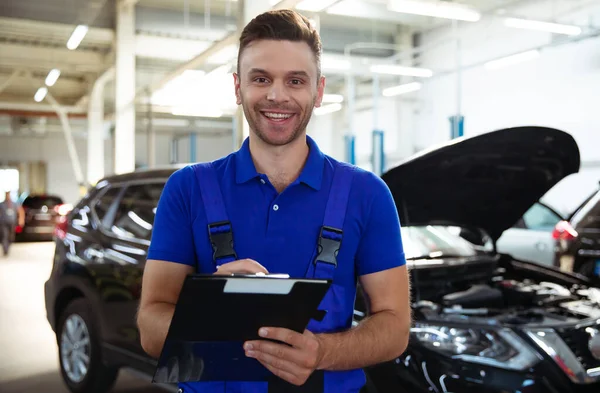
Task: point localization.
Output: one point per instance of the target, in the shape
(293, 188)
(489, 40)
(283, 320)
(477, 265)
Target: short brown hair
(284, 25)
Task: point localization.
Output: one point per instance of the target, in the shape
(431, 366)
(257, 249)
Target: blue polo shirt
(280, 230)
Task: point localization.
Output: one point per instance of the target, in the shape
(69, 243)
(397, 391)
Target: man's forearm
(153, 322)
(378, 338)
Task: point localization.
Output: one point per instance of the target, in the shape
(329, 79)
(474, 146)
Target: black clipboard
(215, 315)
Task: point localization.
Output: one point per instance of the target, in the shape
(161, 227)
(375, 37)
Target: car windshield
(434, 242)
(37, 202)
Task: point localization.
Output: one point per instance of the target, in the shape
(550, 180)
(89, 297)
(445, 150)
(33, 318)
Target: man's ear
(236, 84)
(320, 91)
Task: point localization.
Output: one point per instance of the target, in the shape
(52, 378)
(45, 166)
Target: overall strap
(330, 237)
(220, 232)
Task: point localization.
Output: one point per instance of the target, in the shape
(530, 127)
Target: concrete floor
(28, 350)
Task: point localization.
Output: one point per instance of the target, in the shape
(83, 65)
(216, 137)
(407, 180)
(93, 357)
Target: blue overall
(324, 263)
(249, 218)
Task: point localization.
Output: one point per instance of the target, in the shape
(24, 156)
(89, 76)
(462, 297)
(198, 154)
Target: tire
(76, 324)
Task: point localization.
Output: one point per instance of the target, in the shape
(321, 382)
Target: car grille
(578, 340)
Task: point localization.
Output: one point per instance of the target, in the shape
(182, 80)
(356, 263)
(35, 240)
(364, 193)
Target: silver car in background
(530, 239)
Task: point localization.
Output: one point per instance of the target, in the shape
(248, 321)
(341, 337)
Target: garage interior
(94, 88)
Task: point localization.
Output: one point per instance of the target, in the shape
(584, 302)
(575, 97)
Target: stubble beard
(253, 120)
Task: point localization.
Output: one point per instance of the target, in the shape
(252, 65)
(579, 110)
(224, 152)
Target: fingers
(242, 266)
(287, 336)
(291, 364)
(276, 351)
(272, 359)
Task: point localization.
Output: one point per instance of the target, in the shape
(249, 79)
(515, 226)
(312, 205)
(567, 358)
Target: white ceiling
(33, 36)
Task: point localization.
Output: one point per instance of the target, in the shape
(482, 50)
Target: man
(11, 214)
(275, 191)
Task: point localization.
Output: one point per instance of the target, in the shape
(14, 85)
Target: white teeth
(278, 115)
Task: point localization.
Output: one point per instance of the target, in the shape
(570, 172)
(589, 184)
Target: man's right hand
(242, 266)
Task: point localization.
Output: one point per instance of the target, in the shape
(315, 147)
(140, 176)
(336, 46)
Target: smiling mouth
(277, 116)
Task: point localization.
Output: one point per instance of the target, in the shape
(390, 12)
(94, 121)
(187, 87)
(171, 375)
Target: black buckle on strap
(222, 242)
(328, 248)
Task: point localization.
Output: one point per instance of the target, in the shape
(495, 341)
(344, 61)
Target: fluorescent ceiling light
(325, 109)
(400, 70)
(333, 98)
(401, 89)
(314, 5)
(40, 94)
(542, 26)
(436, 9)
(52, 77)
(513, 59)
(77, 36)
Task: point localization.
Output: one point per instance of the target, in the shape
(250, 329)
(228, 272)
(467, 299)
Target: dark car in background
(577, 239)
(42, 213)
(93, 292)
(483, 321)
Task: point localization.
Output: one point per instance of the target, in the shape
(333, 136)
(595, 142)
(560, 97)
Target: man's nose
(277, 92)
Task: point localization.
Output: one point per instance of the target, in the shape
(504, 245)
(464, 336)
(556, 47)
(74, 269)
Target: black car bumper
(422, 372)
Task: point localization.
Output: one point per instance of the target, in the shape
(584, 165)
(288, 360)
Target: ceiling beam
(20, 84)
(46, 58)
(10, 79)
(39, 113)
(34, 107)
(216, 47)
(40, 31)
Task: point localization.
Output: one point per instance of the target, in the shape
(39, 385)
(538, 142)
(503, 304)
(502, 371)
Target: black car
(577, 239)
(42, 213)
(93, 292)
(483, 321)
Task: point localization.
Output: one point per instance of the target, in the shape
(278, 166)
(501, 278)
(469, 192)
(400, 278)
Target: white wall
(394, 117)
(559, 89)
(208, 147)
(52, 149)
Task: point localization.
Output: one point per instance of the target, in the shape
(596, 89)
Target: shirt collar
(311, 175)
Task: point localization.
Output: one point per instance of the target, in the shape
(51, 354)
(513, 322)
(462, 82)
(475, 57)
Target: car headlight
(551, 343)
(493, 347)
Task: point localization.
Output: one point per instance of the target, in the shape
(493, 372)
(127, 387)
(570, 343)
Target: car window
(39, 201)
(135, 215)
(104, 203)
(540, 218)
(434, 242)
(588, 216)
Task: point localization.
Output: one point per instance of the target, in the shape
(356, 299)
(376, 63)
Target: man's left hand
(294, 363)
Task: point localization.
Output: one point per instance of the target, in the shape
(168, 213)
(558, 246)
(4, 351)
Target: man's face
(277, 87)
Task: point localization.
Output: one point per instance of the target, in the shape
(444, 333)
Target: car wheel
(79, 352)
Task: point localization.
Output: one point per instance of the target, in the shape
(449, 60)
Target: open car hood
(487, 181)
